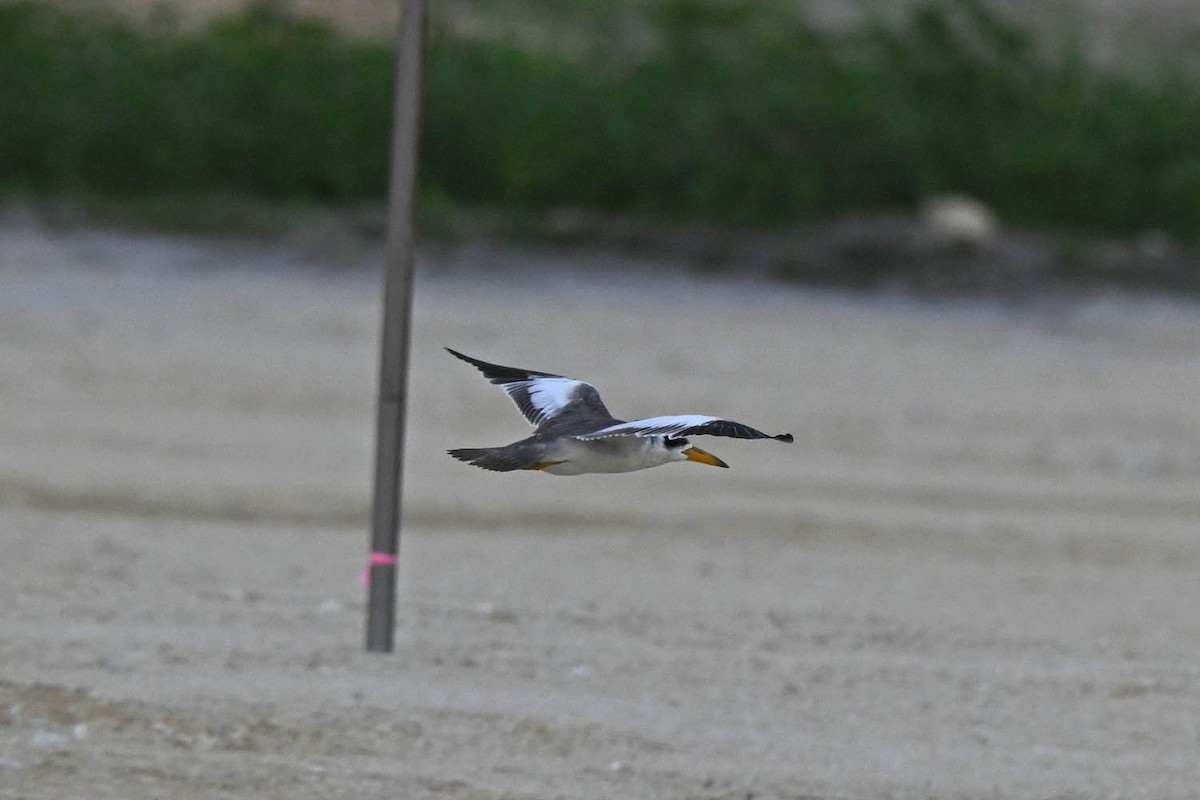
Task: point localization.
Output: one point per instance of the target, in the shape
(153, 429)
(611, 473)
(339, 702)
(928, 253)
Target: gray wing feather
(683, 425)
(551, 402)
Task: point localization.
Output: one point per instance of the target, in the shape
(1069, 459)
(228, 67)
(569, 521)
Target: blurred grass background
(709, 111)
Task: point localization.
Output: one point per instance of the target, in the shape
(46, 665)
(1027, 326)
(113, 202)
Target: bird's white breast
(618, 454)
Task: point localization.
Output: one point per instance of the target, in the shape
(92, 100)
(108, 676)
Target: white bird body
(619, 454)
(576, 435)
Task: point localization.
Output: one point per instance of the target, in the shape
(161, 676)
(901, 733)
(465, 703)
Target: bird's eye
(674, 443)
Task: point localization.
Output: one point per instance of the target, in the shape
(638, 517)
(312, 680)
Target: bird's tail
(497, 459)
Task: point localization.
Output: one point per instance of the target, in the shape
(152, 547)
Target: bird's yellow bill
(704, 457)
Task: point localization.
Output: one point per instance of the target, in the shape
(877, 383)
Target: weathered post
(397, 312)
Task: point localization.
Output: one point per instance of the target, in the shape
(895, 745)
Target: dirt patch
(1117, 31)
(973, 573)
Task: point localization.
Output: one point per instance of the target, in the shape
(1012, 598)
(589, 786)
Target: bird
(575, 435)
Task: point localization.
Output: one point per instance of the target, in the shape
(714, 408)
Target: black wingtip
(784, 437)
(482, 366)
(499, 374)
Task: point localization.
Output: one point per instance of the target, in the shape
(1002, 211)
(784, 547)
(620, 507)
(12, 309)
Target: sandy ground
(1120, 31)
(973, 575)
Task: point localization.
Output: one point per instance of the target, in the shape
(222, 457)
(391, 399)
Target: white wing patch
(547, 396)
(652, 426)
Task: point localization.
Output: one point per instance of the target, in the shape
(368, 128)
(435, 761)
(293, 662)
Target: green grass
(260, 105)
(737, 112)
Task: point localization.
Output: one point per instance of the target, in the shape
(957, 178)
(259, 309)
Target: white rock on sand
(973, 575)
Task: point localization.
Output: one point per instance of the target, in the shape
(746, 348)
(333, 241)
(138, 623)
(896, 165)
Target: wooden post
(397, 312)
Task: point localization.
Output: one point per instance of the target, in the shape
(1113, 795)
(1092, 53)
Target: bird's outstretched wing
(681, 425)
(544, 398)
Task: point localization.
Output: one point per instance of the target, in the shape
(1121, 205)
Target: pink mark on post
(376, 559)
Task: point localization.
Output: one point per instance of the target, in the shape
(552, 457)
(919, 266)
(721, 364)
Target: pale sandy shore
(1125, 32)
(973, 576)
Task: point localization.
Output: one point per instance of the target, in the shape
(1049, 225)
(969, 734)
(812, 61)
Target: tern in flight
(574, 433)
